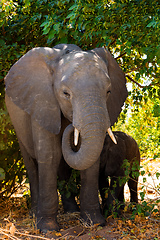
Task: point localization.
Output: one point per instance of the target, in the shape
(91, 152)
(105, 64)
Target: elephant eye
(108, 92)
(67, 95)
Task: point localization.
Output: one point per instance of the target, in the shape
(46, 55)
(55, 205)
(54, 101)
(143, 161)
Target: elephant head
(87, 87)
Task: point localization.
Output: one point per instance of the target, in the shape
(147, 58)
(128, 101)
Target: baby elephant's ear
(119, 91)
(30, 83)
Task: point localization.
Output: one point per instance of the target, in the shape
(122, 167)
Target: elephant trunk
(92, 126)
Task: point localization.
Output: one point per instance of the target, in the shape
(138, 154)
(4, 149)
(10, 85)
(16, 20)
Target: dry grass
(16, 224)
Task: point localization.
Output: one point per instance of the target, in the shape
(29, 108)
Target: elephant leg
(47, 198)
(115, 190)
(32, 170)
(89, 201)
(121, 195)
(64, 174)
(48, 154)
(132, 184)
(69, 203)
(121, 198)
(103, 186)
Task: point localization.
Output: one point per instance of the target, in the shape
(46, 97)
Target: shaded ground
(15, 222)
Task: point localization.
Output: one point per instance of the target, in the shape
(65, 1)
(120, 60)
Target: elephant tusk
(76, 135)
(111, 135)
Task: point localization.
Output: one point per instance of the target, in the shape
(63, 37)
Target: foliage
(130, 29)
(16, 224)
(131, 170)
(143, 124)
(10, 156)
(146, 207)
(72, 186)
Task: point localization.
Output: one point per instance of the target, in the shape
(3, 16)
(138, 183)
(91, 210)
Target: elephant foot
(69, 204)
(92, 217)
(45, 224)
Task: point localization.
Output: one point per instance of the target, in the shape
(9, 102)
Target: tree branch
(139, 85)
(3, 31)
(134, 69)
(121, 55)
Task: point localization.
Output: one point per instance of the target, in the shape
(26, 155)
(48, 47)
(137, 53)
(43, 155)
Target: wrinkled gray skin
(111, 161)
(48, 92)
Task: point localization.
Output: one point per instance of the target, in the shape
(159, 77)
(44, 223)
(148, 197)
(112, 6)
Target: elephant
(111, 165)
(51, 93)
(64, 177)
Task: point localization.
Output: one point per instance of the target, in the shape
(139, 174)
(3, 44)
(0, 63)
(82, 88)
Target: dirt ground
(16, 224)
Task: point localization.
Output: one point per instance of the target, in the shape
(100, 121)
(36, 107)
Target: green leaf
(156, 110)
(142, 172)
(46, 24)
(71, 15)
(75, 6)
(46, 30)
(151, 24)
(142, 195)
(56, 27)
(27, 3)
(144, 179)
(52, 34)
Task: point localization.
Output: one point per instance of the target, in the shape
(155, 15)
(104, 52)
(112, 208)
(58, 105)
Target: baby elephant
(113, 164)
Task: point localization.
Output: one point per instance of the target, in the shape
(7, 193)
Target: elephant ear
(119, 91)
(29, 84)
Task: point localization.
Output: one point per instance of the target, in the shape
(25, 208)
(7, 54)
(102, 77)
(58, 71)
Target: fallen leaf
(12, 229)
(58, 234)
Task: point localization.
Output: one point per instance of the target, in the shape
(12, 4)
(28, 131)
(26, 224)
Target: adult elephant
(49, 93)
